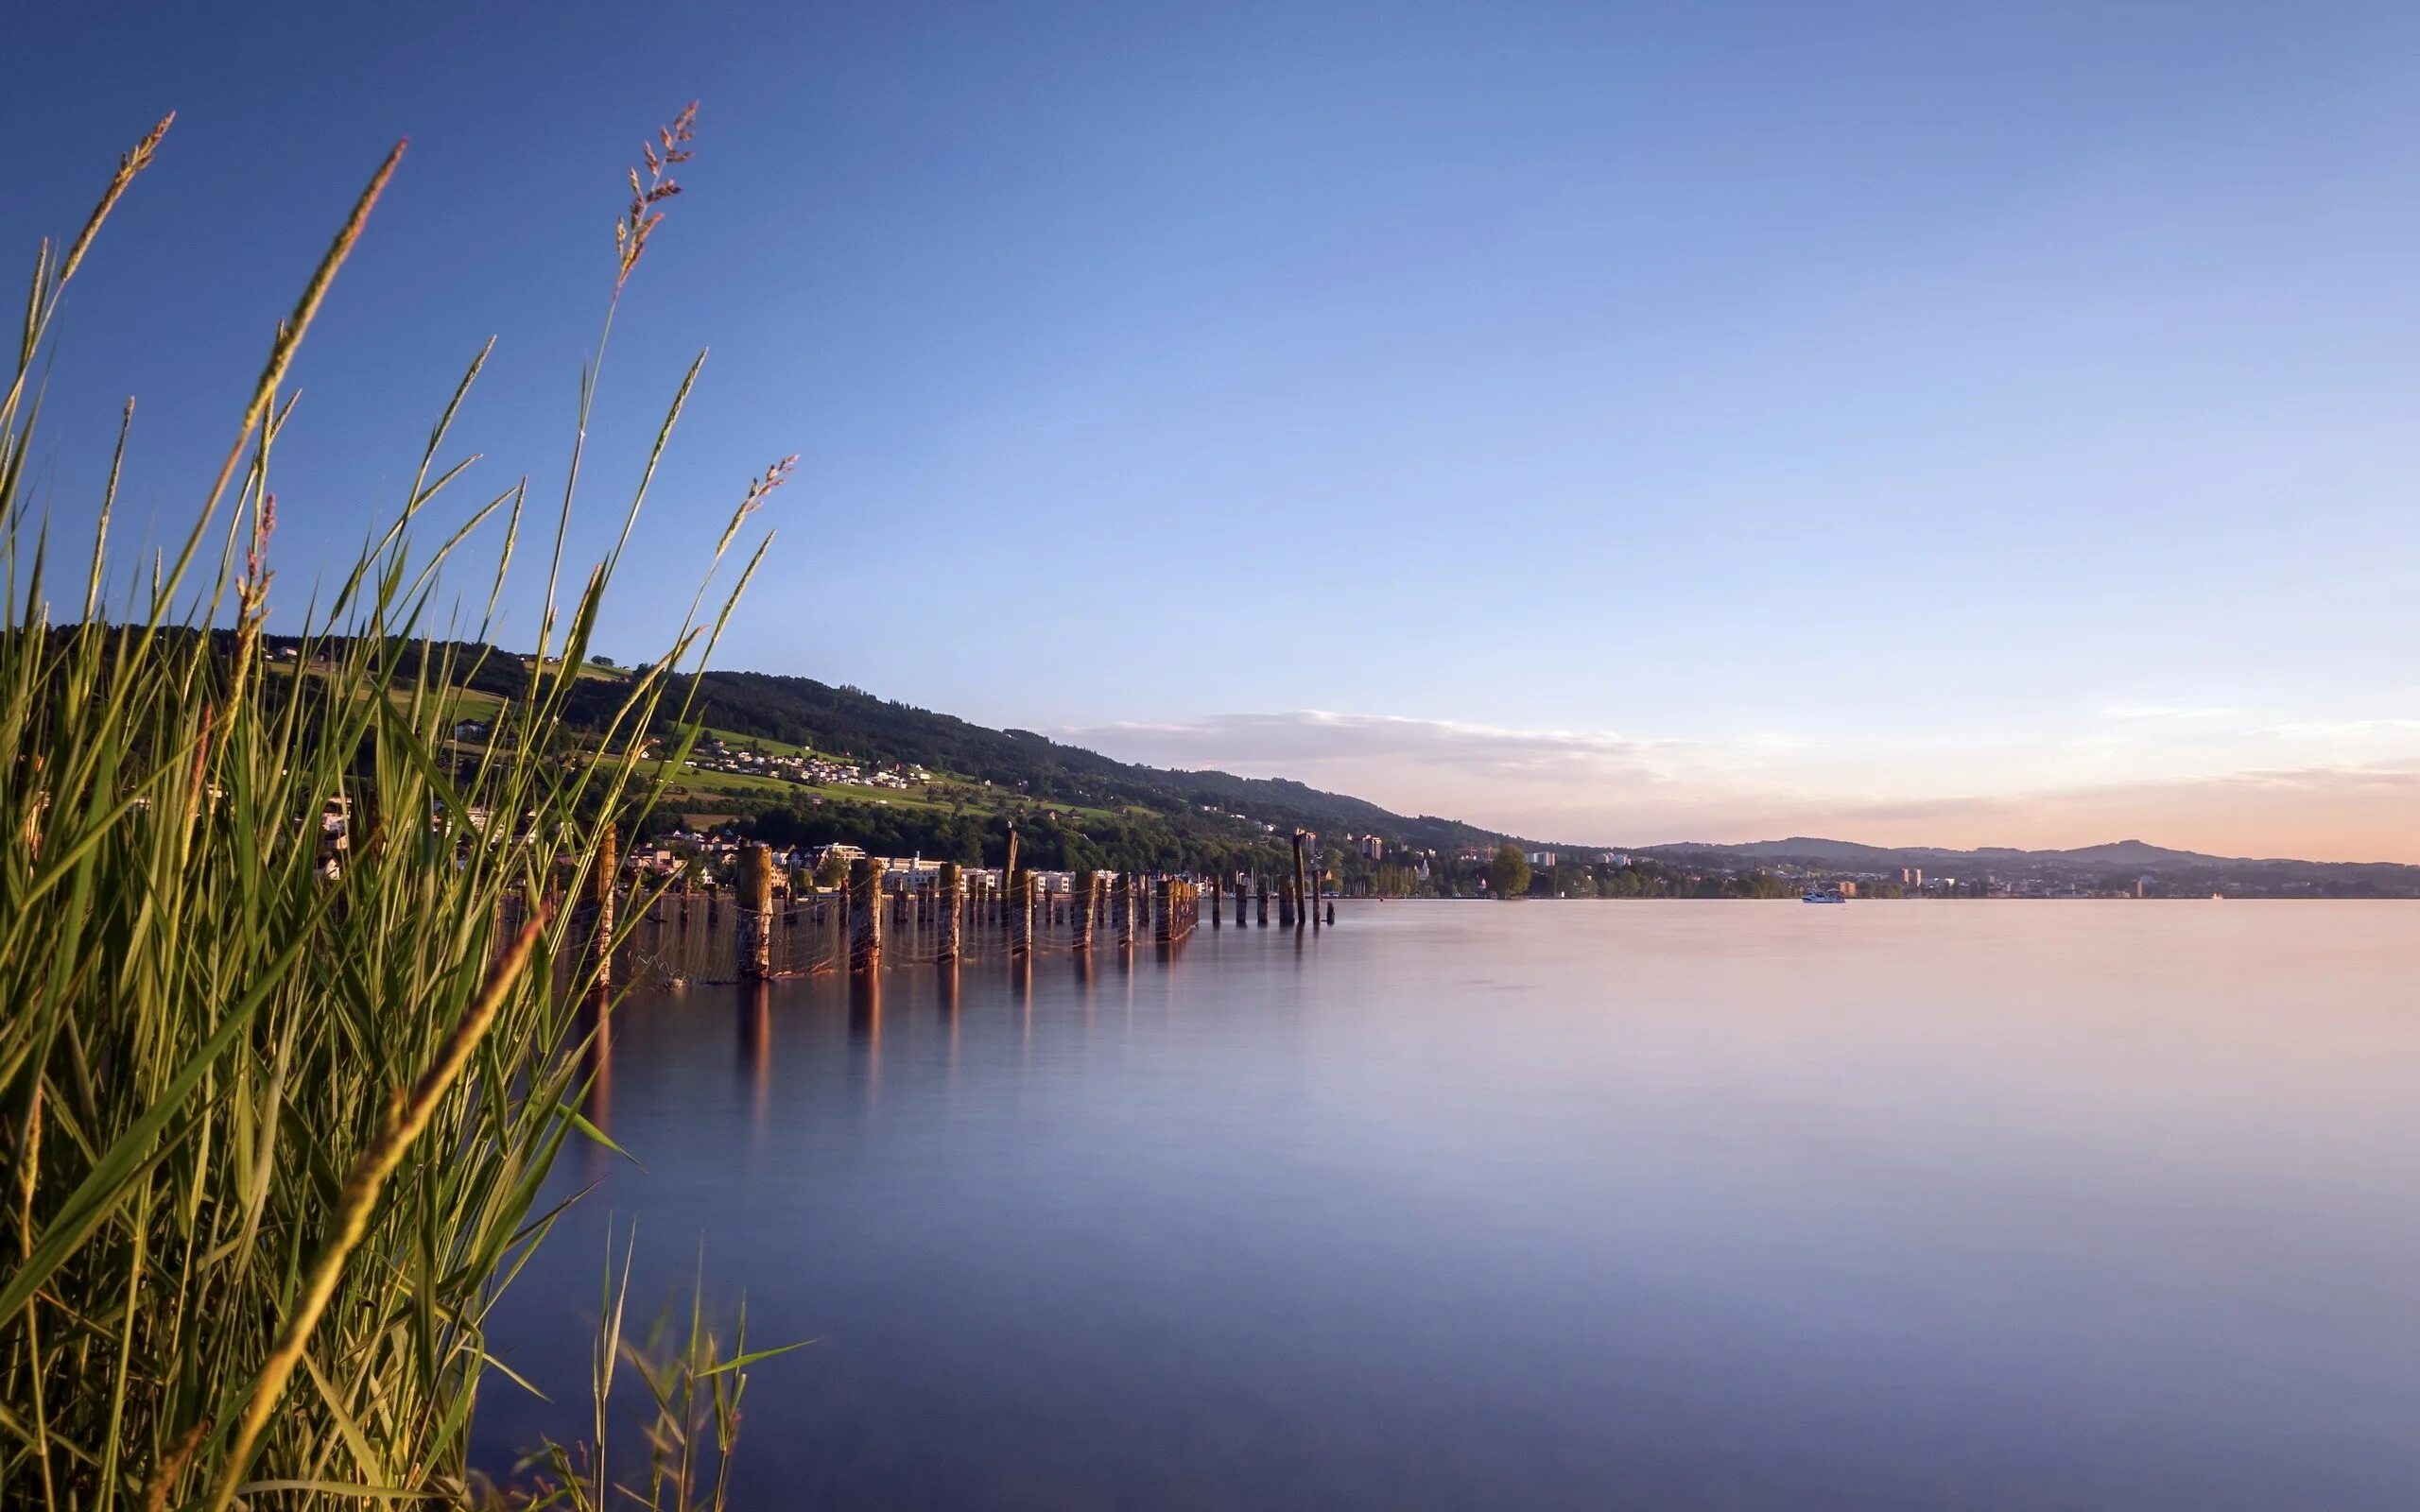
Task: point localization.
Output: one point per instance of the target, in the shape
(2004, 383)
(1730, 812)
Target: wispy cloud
(2355, 796)
(1253, 742)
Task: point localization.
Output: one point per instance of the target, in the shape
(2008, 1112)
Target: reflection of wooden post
(1021, 913)
(756, 1044)
(756, 905)
(865, 915)
(1302, 897)
(1079, 909)
(946, 909)
(604, 877)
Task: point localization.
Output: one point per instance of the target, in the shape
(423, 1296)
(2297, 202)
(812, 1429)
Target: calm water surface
(1663, 1205)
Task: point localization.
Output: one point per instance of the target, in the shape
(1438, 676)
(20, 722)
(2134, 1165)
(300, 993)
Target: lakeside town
(1363, 866)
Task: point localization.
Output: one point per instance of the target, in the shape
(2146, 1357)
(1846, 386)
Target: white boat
(1821, 895)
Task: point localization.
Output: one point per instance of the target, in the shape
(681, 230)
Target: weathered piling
(947, 910)
(1021, 913)
(1302, 897)
(1009, 872)
(1331, 914)
(1122, 910)
(1174, 910)
(1242, 897)
(603, 885)
(1263, 884)
(1284, 903)
(1080, 908)
(1217, 903)
(756, 905)
(864, 916)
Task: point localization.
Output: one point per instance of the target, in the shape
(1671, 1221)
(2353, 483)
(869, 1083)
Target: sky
(1959, 424)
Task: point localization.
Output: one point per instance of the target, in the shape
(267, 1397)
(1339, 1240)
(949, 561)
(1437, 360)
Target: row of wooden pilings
(1169, 908)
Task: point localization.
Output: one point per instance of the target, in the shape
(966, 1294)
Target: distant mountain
(2140, 853)
(1851, 853)
(2114, 865)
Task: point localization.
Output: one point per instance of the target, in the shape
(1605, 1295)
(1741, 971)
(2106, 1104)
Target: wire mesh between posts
(697, 937)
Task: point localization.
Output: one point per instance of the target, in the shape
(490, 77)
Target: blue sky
(1966, 424)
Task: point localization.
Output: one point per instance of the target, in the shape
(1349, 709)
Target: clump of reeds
(278, 1093)
(689, 1420)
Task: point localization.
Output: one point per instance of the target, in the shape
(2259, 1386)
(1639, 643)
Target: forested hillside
(1072, 807)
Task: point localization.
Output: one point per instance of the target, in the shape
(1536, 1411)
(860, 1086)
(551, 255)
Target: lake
(1721, 1204)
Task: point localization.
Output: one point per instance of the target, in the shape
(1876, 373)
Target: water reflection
(756, 1051)
(865, 1031)
(1564, 1206)
(595, 1025)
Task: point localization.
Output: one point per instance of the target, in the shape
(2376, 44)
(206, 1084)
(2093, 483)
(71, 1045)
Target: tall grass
(276, 1114)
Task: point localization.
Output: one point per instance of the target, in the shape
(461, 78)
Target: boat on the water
(1821, 895)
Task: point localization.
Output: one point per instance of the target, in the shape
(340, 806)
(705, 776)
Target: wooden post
(947, 912)
(1284, 903)
(1122, 910)
(754, 905)
(1263, 884)
(1079, 909)
(1177, 910)
(1009, 871)
(602, 883)
(864, 916)
(1021, 913)
(1302, 897)
(1217, 904)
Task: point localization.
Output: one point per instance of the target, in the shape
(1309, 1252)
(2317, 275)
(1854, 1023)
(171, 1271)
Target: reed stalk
(289, 1027)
